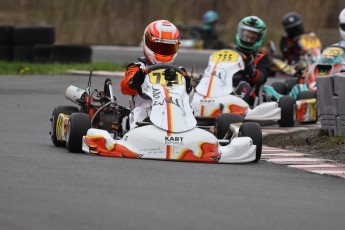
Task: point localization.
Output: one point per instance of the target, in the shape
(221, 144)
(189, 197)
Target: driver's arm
(124, 84)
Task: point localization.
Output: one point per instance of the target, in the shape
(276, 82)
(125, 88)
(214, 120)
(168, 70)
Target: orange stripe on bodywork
(168, 149)
(169, 108)
(97, 145)
(169, 120)
(203, 109)
(211, 80)
(238, 109)
(208, 153)
(209, 88)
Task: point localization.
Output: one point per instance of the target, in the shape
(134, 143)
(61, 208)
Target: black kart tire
(306, 95)
(253, 130)
(6, 34)
(34, 35)
(288, 111)
(23, 53)
(71, 53)
(42, 53)
(6, 52)
(223, 122)
(79, 124)
(59, 109)
(279, 87)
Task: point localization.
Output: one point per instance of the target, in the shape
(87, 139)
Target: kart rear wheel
(279, 87)
(68, 110)
(306, 95)
(288, 111)
(223, 122)
(253, 130)
(78, 125)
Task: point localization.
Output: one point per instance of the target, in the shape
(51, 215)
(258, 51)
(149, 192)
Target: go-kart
(310, 46)
(170, 132)
(303, 87)
(98, 109)
(215, 94)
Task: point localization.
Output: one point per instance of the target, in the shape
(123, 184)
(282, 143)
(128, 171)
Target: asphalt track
(45, 187)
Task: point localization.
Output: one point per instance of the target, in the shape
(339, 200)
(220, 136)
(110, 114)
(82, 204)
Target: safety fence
(331, 97)
(37, 44)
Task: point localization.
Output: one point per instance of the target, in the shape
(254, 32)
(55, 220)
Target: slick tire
(78, 125)
(223, 122)
(253, 130)
(59, 109)
(288, 111)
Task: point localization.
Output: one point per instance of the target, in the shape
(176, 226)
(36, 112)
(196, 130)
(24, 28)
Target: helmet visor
(342, 26)
(249, 36)
(160, 46)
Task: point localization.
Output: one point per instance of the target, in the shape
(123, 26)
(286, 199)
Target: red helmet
(161, 42)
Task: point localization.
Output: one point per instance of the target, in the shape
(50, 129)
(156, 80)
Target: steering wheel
(151, 68)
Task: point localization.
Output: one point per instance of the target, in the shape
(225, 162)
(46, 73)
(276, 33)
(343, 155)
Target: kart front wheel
(223, 122)
(288, 111)
(253, 130)
(68, 110)
(78, 125)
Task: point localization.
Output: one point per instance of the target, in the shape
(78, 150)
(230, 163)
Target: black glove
(249, 68)
(137, 80)
(189, 86)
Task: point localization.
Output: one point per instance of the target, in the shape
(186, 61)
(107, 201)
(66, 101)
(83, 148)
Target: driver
(341, 29)
(294, 28)
(251, 32)
(161, 42)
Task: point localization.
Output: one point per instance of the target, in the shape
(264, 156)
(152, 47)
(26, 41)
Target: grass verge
(23, 68)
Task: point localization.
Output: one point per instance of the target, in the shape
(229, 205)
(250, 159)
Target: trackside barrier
(331, 97)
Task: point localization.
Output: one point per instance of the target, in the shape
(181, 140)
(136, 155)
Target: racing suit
(291, 50)
(262, 65)
(141, 108)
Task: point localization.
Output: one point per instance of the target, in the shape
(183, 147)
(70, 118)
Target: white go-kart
(215, 94)
(171, 132)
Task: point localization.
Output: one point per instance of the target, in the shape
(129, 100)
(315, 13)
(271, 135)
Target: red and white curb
(297, 160)
(302, 161)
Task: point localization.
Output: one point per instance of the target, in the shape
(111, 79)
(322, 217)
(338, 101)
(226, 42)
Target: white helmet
(342, 23)
(161, 42)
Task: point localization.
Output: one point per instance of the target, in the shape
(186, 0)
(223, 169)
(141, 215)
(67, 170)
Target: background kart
(310, 50)
(97, 109)
(215, 94)
(303, 86)
(171, 133)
